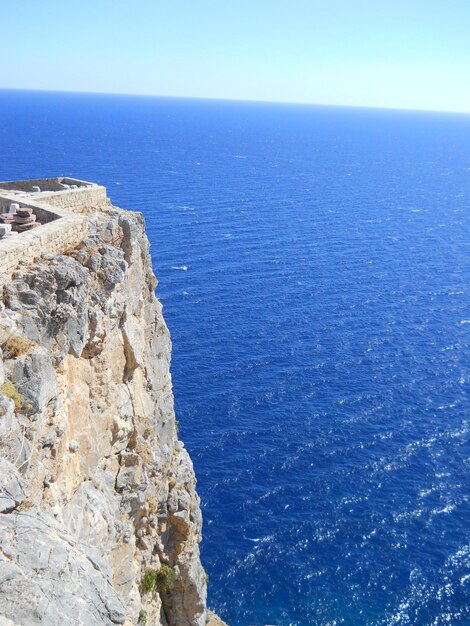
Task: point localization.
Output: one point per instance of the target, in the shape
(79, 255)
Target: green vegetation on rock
(149, 580)
(161, 580)
(164, 578)
(10, 391)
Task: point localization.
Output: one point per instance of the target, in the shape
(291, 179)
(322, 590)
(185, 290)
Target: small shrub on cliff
(142, 617)
(16, 346)
(164, 578)
(10, 391)
(149, 580)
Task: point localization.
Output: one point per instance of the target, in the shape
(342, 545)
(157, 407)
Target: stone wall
(81, 200)
(52, 238)
(45, 184)
(61, 213)
(51, 184)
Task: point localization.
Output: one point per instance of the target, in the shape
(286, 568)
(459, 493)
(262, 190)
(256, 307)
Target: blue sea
(313, 264)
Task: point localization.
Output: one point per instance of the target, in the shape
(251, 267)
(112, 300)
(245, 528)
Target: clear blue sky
(388, 53)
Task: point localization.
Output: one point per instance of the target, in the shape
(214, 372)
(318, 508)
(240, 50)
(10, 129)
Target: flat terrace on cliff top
(45, 215)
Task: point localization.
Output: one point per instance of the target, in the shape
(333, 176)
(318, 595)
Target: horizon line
(219, 99)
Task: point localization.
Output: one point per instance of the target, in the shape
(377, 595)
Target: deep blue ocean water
(313, 264)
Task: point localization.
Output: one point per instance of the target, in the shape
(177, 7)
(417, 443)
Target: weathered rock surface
(95, 488)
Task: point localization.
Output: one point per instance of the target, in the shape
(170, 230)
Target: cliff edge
(99, 518)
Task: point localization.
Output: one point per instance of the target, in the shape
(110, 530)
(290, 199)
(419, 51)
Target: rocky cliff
(99, 518)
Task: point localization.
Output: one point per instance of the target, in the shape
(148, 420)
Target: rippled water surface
(313, 265)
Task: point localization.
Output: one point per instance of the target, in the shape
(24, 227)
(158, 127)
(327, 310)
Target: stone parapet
(81, 200)
(53, 238)
(62, 213)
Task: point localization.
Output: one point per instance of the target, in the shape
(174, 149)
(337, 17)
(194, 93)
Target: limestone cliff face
(99, 517)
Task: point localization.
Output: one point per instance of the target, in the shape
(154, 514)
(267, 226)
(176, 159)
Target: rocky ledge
(99, 518)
